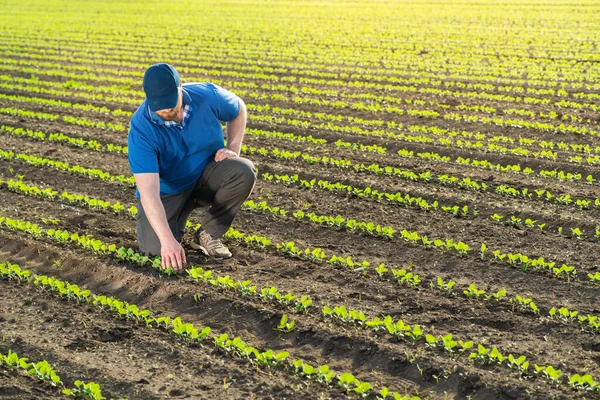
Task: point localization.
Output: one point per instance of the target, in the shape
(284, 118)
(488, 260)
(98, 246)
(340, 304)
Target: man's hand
(172, 255)
(223, 154)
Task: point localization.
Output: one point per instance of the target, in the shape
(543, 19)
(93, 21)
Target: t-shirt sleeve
(227, 104)
(142, 155)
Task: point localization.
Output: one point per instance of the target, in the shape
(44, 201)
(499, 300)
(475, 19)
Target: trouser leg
(225, 185)
(174, 204)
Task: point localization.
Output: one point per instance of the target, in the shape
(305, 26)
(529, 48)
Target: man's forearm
(235, 130)
(155, 212)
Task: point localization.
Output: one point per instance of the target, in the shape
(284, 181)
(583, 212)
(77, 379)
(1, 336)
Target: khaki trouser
(223, 186)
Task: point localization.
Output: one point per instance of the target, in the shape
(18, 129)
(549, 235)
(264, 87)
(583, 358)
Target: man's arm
(171, 252)
(235, 134)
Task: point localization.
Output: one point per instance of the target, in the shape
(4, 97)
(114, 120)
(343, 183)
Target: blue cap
(161, 85)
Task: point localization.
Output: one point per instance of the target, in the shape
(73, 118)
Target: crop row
(275, 53)
(328, 124)
(42, 370)
(561, 175)
(218, 67)
(398, 329)
(446, 141)
(236, 346)
(332, 118)
(516, 260)
(33, 86)
(396, 198)
(482, 163)
(373, 106)
(430, 114)
(403, 277)
(376, 103)
(444, 179)
(369, 228)
(491, 147)
(316, 255)
(66, 167)
(366, 227)
(129, 54)
(422, 204)
(466, 183)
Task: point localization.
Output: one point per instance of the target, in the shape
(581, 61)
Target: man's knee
(243, 172)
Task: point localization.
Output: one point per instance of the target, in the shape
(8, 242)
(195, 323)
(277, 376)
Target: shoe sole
(196, 246)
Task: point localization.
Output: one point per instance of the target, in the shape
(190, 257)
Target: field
(425, 222)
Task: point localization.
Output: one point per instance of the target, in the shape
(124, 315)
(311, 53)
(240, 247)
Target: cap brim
(164, 102)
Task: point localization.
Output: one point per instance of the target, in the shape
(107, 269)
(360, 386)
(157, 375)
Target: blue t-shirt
(180, 154)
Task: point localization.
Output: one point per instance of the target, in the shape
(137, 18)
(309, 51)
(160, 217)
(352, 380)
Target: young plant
(381, 270)
(443, 286)
(473, 293)
(483, 250)
(89, 390)
(520, 364)
(303, 304)
(284, 325)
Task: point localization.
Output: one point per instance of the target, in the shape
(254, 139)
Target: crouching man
(179, 161)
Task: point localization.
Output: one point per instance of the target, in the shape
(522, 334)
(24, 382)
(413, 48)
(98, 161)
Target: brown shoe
(204, 242)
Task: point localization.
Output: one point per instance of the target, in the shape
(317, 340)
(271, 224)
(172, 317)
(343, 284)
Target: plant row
(280, 57)
(287, 248)
(271, 294)
(398, 329)
(522, 152)
(466, 183)
(447, 344)
(277, 110)
(395, 198)
(372, 107)
(236, 346)
(218, 68)
(373, 72)
(95, 173)
(42, 370)
(369, 228)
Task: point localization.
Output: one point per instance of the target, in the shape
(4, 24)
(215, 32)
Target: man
(179, 161)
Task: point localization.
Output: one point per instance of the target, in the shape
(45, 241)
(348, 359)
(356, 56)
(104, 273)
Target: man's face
(172, 114)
